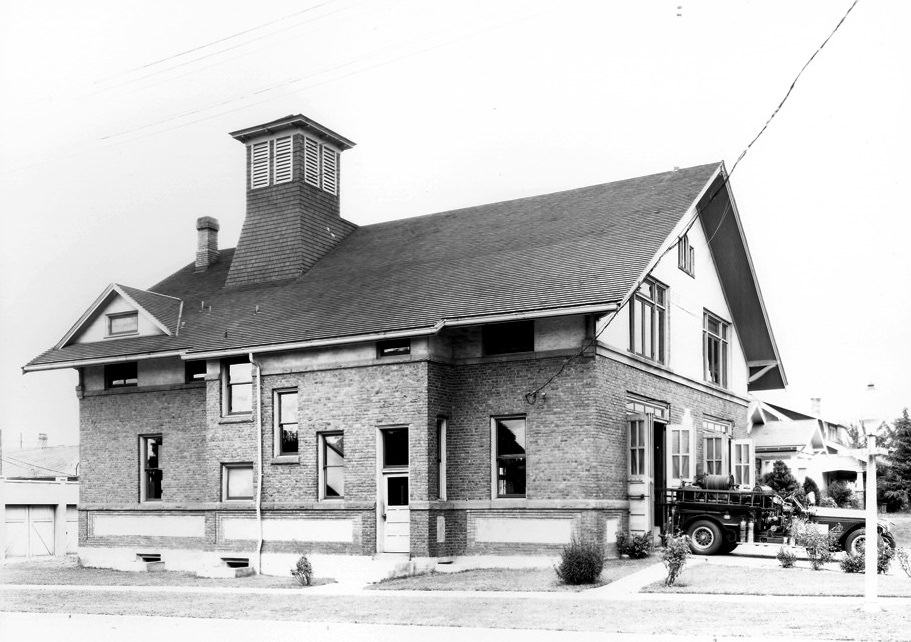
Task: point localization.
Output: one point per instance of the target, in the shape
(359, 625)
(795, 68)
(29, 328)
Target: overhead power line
(532, 397)
(19, 462)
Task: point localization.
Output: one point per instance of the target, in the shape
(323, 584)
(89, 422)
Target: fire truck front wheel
(705, 537)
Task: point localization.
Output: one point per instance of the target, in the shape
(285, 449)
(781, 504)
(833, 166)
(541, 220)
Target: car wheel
(705, 537)
(854, 541)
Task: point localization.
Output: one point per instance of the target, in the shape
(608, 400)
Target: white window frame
(441, 458)
(683, 458)
(116, 316)
(495, 457)
(720, 431)
(637, 443)
(321, 465)
(144, 468)
(260, 164)
(722, 341)
(228, 388)
(648, 320)
(283, 160)
(279, 422)
(739, 447)
(686, 256)
(226, 471)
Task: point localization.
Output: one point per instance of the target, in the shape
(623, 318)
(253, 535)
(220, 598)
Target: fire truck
(719, 517)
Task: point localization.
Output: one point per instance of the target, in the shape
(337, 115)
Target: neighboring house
(491, 380)
(39, 492)
(810, 445)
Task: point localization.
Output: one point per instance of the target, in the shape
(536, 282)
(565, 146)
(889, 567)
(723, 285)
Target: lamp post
(871, 539)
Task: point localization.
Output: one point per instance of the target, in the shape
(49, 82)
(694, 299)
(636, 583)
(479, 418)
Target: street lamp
(871, 540)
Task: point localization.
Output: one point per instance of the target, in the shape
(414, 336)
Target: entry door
(397, 535)
(640, 487)
(395, 526)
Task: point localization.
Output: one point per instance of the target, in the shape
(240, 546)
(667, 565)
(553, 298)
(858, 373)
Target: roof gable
(157, 314)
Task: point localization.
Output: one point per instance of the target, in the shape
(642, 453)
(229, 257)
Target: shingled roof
(568, 249)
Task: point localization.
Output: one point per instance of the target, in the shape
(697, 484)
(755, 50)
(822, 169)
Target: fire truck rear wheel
(705, 537)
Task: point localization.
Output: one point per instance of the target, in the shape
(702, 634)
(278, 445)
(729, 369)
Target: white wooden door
(29, 531)
(397, 517)
(679, 454)
(72, 529)
(640, 483)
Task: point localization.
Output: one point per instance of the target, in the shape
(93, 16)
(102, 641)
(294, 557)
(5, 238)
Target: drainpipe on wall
(259, 463)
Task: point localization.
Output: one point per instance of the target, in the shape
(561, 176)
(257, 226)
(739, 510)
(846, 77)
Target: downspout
(259, 464)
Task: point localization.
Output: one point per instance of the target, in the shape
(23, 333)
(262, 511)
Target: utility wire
(532, 397)
(19, 462)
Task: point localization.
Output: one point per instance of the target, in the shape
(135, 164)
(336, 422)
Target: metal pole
(872, 537)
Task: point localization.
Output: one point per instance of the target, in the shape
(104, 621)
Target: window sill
(286, 459)
(236, 419)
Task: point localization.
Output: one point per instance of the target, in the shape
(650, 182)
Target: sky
(116, 139)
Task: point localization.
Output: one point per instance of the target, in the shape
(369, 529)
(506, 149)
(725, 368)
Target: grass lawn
(902, 530)
(772, 579)
(66, 571)
(511, 579)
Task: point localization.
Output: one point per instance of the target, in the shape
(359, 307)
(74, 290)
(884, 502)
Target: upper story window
(120, 375)
(686, 259)
(123, 323)
(393, 348)
(505, 338)
(320, 165)
(648, 321)
(271, 162)
(715, 343)
(286, 425)
(238, 386)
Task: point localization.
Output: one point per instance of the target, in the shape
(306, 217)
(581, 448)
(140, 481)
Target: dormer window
(122, 324)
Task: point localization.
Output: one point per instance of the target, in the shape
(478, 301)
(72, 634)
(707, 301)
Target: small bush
(857, 563)
(828, 502)
(819, 546)
(904, 561)
(580, 563)
(786, 557)
(635, 547)
(303, 571)
(842, 494)
(676, 552)
(809, 486)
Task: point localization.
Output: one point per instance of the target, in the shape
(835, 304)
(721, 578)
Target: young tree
(780, 479)
(895, 487)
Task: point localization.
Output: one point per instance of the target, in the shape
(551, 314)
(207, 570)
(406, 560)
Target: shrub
(841, 493)
(809, 486)
(786, 557)
(302, 571)
(819, 546)
(580, 563)
(857, 563)
(904, 561)
(676, 552)
(634, 546)
(828, 502)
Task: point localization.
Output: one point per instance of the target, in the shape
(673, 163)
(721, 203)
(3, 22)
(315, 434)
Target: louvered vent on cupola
(292, 201)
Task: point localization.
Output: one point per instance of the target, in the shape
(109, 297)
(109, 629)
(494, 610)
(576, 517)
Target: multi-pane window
(716, 435)
(509, 458)
(686, 259)
(286, 425)
(715, 340)
(237, 481)
(238, 387)
(120, 375)
(681, 456)
(332, 465)
(123, 323)
(648, 321)
(743, 457)
(637, 447)
(150, 467)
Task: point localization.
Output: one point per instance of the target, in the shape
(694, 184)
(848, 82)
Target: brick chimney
(293, 216)
(206, 242)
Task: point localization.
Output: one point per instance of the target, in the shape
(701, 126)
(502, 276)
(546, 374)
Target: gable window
(715, 340)
(151, 475)
(393, 347)
(320, 165)
(506, 338)
(238, 386)
(123, 323)
(194, 371)
(716, 436)
(686, 260)
(648, 321)
(509, 455)
(331, 465)
(236, 481)
(286, 426)
(120, 375)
